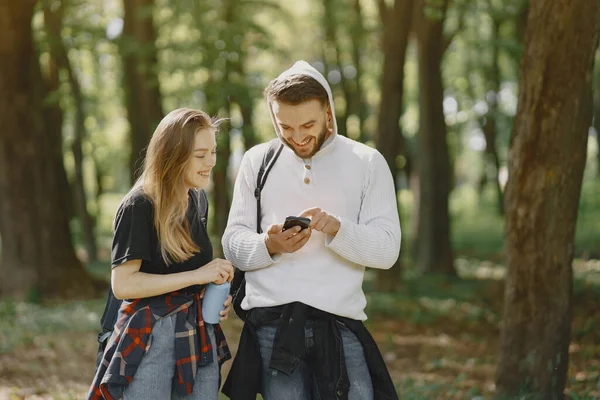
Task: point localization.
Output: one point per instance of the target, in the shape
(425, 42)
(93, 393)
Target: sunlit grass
(21, 323)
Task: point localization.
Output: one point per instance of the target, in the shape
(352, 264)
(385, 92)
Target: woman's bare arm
(129, 283)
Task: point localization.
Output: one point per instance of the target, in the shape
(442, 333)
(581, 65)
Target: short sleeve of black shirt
(135, 237)
(133, 230)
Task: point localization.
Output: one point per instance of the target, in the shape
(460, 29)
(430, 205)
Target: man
(304, 337)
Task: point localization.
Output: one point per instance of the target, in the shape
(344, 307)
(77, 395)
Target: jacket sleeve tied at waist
(132, 338)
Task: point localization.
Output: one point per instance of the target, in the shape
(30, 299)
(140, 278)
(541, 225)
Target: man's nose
(297, 136)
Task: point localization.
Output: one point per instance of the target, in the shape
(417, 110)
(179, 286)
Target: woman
(161, 260)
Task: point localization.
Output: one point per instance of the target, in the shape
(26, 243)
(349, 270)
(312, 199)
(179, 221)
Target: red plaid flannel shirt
(130, 341)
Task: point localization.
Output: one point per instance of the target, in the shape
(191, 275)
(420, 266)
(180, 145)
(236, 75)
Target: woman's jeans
(154, 376)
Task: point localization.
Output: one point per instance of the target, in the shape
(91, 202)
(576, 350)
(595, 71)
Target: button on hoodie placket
(308, 176)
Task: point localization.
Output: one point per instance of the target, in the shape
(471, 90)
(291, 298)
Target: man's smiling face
(303, 126)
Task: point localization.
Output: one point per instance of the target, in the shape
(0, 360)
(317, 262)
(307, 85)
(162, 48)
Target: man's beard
(320, 139)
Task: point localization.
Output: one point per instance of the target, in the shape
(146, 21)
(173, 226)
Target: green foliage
(23, 323)
(478, 229)
(34, 296)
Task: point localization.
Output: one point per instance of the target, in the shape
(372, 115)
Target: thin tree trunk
(99, 166)
(140, 78)
(597, 125)
(434, 253)
(521, 21)
(596, 94)
(221, 198)
(357, 36)
(396, 22)
(53, 22)
(220, 193)
(53, 116)
(492, 157)
(546, 164)
(38, 258)
(248, 131)
(490, 126)
(245, 103)
(333, 56)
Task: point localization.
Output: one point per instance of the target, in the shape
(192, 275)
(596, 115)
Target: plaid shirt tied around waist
(131, 339)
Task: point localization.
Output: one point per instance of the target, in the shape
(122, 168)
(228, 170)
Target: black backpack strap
(272, 154)
(107, 322)
(109, 317)
(203, 206)
(238, 285)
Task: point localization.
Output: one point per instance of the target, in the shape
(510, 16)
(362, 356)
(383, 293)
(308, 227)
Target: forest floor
(439, 338)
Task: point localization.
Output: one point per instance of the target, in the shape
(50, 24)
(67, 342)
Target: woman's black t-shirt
(135, 237)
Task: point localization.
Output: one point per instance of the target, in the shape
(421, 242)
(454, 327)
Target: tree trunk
(396, 22)
(521, 21)
(598, 154)
(434, 254)
(489, 127)
(493, 158)
(547, 159)
(53, 117)
(357, 36)
(220, 192)
(221, 198)
(246, 104)
(597, 126)
(53, 24)
(100, 168)
(38, 258)
(140, 78)
(333, 56)
(596, 94)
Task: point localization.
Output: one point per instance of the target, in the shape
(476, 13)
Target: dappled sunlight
(479, 270)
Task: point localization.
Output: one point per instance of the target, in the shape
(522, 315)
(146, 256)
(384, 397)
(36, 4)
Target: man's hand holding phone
(321, 221)
(288, 237)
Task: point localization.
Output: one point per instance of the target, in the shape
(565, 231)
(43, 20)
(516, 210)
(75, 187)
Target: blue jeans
(154, 376)
(300, 385)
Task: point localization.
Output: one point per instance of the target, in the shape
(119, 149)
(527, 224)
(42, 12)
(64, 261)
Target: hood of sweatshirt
(303, 68)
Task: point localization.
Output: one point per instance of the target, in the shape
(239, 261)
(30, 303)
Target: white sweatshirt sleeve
(375, 241)
(242, 245)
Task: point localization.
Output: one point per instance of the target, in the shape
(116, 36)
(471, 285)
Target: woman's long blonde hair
(162, 179)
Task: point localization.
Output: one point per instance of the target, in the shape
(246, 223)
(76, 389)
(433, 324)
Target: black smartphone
(291, 222)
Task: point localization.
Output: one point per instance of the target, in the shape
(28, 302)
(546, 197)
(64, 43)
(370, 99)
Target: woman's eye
(199, 156)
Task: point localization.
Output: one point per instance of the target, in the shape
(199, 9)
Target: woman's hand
(225, 313)
(218, 271)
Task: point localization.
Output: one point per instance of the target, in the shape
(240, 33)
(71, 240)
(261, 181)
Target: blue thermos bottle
(213, 302)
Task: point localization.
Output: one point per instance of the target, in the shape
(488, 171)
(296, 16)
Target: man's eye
(308, 126)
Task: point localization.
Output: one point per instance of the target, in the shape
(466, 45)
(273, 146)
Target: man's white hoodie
(348, 180)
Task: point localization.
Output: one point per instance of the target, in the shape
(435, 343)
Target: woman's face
(203, 159)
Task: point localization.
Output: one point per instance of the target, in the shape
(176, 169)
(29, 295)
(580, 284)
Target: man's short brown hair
(296, 89)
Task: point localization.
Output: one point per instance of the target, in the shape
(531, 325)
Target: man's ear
(329, 122)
